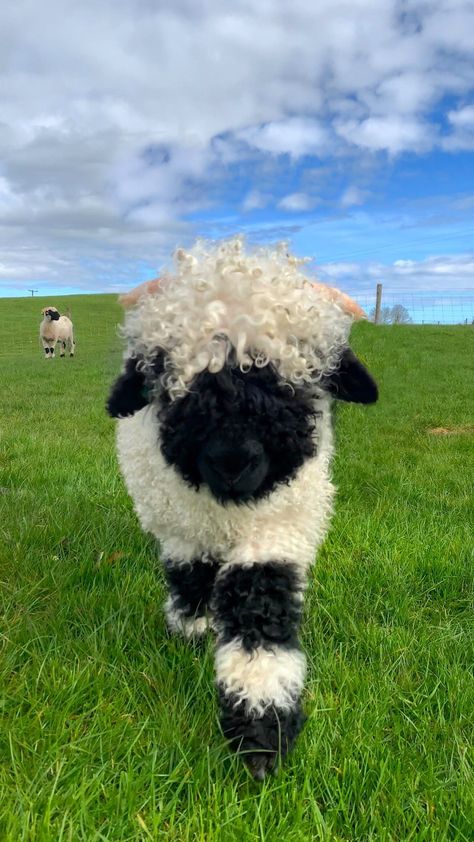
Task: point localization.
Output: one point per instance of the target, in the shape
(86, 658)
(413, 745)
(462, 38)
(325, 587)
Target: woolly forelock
(225, 300)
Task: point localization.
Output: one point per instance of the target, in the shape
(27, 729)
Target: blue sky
(345, 128)
(401, 208)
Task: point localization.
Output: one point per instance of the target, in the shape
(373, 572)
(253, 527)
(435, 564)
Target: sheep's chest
(48, 330)
(290, 522)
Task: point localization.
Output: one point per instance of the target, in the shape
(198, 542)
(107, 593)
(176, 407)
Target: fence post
(378, 304)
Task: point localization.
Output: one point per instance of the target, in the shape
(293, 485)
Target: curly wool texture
(226, 300)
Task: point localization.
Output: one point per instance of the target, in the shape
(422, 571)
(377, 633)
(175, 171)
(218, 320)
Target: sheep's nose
(232, 462)
(233, 470)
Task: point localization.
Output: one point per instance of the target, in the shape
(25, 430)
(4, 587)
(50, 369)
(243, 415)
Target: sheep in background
(56, 328)
(225, 441)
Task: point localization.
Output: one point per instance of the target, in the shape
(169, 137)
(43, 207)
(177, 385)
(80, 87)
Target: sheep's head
(234, 351)
(50, 314)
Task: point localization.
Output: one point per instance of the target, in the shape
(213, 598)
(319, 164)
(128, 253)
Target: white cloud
(255, 200)
(464, 118)
(339, 270)
(435, 274)
(462, 135)
(393, 133)
(91, 99)
(296, 137)
(353, 196)
(297, 202)
(404, 93)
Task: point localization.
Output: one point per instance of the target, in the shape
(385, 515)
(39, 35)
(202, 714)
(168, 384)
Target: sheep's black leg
(190, 585)
(259, 663)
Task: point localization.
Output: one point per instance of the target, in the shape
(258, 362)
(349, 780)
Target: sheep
(56, 328)
(224, 440)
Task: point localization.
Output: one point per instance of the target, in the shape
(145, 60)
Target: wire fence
(407, 307)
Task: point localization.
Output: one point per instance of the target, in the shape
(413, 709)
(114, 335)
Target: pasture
(109, 725)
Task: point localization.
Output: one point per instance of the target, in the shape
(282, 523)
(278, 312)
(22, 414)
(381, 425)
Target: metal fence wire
(419, 308)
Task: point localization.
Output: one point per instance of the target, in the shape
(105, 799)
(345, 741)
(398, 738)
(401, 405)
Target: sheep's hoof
(259, 740)
(261, 763)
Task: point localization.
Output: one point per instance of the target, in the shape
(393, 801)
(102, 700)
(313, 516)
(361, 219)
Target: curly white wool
(223, 298)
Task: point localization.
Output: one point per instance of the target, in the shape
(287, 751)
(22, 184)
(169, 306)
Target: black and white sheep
(56, 328)
(225, 442)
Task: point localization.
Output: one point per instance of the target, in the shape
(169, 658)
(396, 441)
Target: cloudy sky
(129, 127)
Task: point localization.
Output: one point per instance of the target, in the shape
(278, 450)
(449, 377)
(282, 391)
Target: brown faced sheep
(56, 328)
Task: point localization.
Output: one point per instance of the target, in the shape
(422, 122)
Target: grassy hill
(110, 727)
(95, 319)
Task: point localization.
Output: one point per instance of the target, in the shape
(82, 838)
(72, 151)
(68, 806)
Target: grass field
(110, 728)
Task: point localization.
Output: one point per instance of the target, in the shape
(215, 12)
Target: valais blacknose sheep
(56, 328)
(225, 442)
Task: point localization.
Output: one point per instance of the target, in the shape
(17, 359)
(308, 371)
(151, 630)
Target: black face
(238, 434)
(53, 314)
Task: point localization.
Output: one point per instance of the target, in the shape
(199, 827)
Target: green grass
(110, 728)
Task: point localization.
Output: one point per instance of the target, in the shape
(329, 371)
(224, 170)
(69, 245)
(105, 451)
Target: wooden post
(378, 304)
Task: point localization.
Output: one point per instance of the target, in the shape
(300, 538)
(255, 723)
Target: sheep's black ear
(128, 393)
(351, 381)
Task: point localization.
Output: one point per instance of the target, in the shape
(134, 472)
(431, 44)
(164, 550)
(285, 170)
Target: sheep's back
(64, 328)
